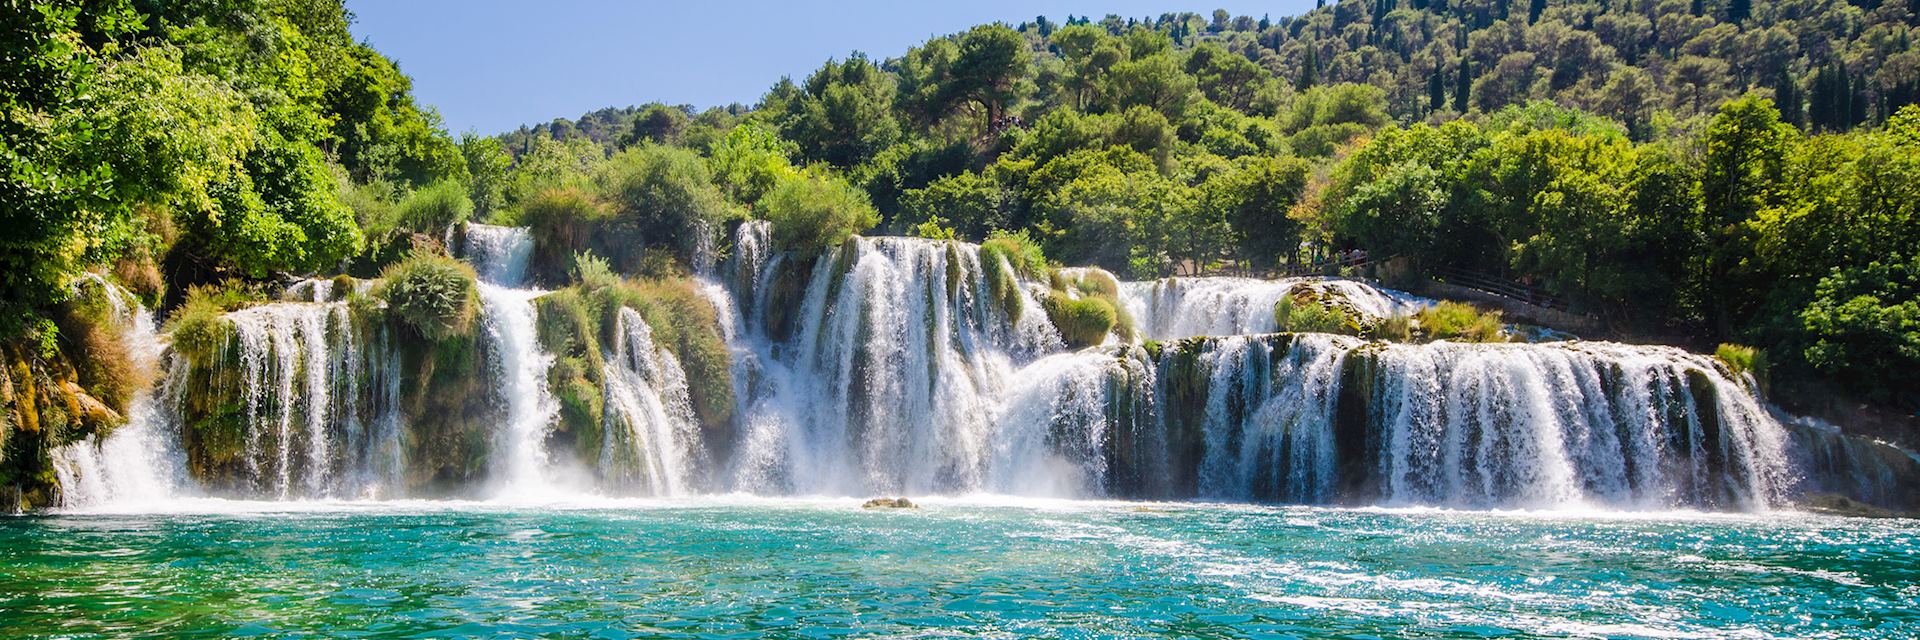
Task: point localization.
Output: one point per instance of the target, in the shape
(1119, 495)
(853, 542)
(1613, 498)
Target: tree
(1744, 153)
(661, 196)
(972, 204)
(487, 168)
(844, 114)
(1255, 200)
(658, 124)
(749, 162)
(1463, 86)
(1864, 328)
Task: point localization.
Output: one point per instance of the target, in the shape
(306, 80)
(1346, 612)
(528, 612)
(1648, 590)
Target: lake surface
(749, 567)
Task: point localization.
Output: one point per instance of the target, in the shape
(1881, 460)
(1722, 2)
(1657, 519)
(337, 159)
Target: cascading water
(1173, 308)
(520, 460)
(319, 417)
(895, 365)
(141, 460)
(653, 435)
(1268, 421)
(1570, 423)
(899, 363)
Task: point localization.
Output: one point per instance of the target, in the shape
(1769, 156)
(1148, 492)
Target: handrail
(1496, 285)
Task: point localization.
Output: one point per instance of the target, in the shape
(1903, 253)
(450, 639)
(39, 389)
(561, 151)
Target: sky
(490, 66)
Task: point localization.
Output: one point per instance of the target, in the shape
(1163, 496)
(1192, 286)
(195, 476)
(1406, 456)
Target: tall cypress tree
(1786, 95)
(1464, 86)
(1436, 90)
(1309, 70)
(1738, 10)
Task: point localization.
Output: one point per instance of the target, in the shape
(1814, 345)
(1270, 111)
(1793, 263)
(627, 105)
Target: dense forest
(1701, 172)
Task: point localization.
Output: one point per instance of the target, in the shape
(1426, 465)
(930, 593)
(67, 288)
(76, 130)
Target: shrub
(433, 294)
(435, 207)
(1082, 322)
(1019, 250)
(1022, 255)
(1301, 315)
(813, 211)
(1743, 359)
(1462, 322)
(199, 327)
(1396, 328)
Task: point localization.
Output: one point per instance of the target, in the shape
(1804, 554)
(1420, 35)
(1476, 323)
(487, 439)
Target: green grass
(1460, 322)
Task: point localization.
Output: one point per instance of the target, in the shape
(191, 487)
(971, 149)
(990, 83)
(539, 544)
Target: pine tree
(1534, 10)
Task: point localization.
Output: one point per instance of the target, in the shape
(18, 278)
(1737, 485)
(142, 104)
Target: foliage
(662, 196)
(1082, 322)
(815, 210)
(1461, 322)
(1864, 328)
(1303, 315)
(1743, 359)
(434, 295)
(198, 327)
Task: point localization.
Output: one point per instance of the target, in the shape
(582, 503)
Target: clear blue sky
(492, 65)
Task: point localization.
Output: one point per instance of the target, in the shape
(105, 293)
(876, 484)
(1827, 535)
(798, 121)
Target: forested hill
(1649, 64)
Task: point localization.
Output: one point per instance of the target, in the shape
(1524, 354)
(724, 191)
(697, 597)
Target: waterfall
(1858, 468)
(1268, 419)
(1571, 423)
(652, 433)
(1173, 308)
(898, 360)
(139, 462)
(320, 417)
(520, 460)
(902, 365)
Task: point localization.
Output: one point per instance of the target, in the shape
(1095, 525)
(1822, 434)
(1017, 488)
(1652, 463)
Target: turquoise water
(824, 568)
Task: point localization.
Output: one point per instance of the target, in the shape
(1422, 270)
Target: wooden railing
(1332, 265)
(1498, 286)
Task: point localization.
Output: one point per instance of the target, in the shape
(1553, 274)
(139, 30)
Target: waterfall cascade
(1173, 308)
(894, 365)
(501, 256)
(141, 460)
(653, 435)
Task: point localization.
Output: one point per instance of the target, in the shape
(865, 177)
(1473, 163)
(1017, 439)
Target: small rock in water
(889, 503)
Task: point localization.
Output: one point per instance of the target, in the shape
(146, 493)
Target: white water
(1173, 308)
(520, 462)
(903, 375)
(141, 460)
(895, 377)
(1268, 423)
(652, 434)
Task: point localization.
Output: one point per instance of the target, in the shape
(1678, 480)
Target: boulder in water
(889, 503)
